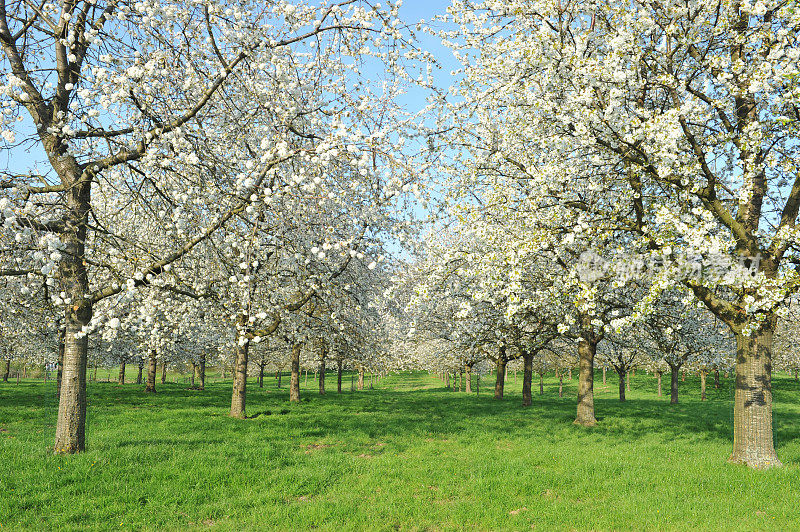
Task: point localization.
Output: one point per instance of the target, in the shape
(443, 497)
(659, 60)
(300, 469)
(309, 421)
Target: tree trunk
(71, 424)
(164, 372)
(628, 381)
(468, 377)
(60, 367)
(716, 379)
(622, 382)
(239, 396)
(446, 382)
(570, 374)
(658, 377)
(586, 352)
(7, 370)
(294, 386)
(339, 376)
(702, 385)
(361, 378)
(752, 406)
(280, 377)
(499, 384)
(322, 374)
(121, 378)
(202, 371)
(527, 377)
(673, 384)
(151, 373)
(141, 370)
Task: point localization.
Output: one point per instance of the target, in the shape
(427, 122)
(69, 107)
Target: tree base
(755, 462)
(586, 422)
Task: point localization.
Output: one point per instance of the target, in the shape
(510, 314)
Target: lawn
(408, 455)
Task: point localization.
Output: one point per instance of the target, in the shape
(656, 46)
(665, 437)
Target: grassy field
(408, 455)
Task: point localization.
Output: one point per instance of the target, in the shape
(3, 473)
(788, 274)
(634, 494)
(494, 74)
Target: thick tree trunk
(151, 373)
(294, 386)
(71, 424)
(702, 385)
(141, 371)
(121, 377)
(360, 378)
(7, 370)
(202, 372)
(468, 378)
(164, 372)
(673, 384)
(586, 352)
(527, 377)
(752, 406)
(658, 377)
(60, 363)
(499, 384)
(339, 376)
(239, 396)
(622, 381)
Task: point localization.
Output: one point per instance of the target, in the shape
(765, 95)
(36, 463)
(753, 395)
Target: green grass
(409, 455)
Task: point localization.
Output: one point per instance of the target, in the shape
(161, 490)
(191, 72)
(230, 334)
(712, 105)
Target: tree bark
(121, 377)
(202, 372)
(164, 372)
(60, 368)
(322, 373)
(151, 373)
(7, 370)
(499, 384)
(280, 377)
(141, 371)
(339, 376)
(71, 424)
(294, 386)
(468, 378)
(261, 374)
(752, 406)
(622, 382)
(527, 377)
(673, 384)
(702, 385)
(658, 377)
(239, 396)
(586, 352)
(716, 379)
(361, 378)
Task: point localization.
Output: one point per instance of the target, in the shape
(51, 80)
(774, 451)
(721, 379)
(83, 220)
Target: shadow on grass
(413, 405)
